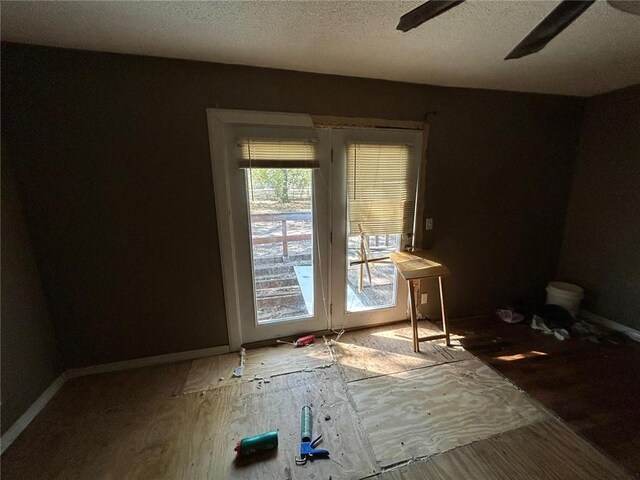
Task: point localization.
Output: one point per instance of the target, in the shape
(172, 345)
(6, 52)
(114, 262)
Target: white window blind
(277, 153)
(381, 187)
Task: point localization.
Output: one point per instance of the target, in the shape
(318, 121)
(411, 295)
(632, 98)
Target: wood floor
(593, 387)
(384, 412)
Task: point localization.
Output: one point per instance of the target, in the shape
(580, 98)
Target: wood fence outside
(284, 238)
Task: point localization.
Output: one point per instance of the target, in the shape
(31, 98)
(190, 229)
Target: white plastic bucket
(566, 295)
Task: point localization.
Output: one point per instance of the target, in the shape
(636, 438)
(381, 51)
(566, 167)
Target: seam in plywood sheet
(383, 351)
(325, 392)
(516, 454)
(445, 353)
(267, 362)
(306, 369)
(407, 370)
(266, 378)
(468, 402)
(352, 402)
(425, 458)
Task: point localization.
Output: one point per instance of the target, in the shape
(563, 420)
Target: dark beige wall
(601, 248)
(111, 154)
(30, 361)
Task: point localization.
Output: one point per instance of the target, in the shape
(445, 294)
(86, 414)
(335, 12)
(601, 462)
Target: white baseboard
(632, 333)
(26, 418)
(146, 361)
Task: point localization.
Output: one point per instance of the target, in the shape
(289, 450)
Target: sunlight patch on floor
(375, 361)
(520, 356)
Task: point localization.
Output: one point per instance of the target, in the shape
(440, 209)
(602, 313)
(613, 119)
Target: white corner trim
(146, 361)
(224, 220)
(630, 332)
(26, 418)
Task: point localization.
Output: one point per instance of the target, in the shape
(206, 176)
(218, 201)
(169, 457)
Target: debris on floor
(239, 370)
(509, 315)
(556, 316)
(538, 323)
(300, 342)
(329, 346)
(586, 330)
(553, 320)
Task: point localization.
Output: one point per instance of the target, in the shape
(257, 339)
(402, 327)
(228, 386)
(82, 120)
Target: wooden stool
(413, 267)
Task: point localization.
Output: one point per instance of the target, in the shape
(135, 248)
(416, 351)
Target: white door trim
(218, 120)
(27, 417)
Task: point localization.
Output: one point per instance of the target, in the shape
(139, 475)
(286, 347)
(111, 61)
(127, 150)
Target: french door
(279, 207)
(293, 261)
(366, 289)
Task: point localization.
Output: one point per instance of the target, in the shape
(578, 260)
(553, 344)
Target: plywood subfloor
(282, 359)
(136, 425)
(265, 362)
(430, 410)
(384, 350)
(544, 450)
(212, 372)
(192, 436)
(277, 405)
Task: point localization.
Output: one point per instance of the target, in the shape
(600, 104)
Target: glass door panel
(281, 222)
(280, 225)
(371, 285)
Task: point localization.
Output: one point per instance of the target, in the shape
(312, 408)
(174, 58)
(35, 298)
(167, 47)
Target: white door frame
(219, 120)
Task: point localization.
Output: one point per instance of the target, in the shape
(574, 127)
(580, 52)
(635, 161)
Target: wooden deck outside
(279, 292)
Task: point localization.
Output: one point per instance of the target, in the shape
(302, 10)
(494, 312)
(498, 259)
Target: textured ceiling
(464, 47)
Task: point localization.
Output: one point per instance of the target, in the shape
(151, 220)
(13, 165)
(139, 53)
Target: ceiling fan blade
(554, 23)
(629, 6)
(424, 12)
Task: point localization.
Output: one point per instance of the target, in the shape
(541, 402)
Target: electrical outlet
(428, 224)
(423, 298)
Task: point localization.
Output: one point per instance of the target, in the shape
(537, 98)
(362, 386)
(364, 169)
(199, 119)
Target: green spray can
(258, 443)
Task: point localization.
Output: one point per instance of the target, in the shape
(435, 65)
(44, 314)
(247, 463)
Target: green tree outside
(282, 180)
